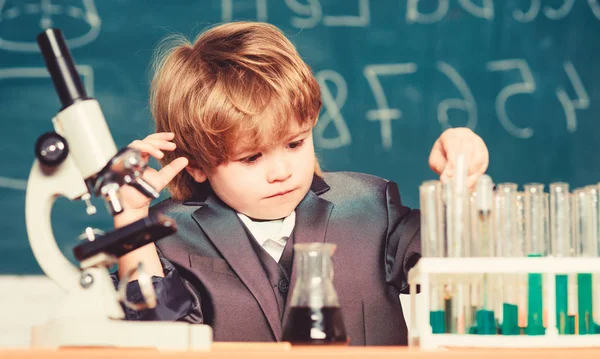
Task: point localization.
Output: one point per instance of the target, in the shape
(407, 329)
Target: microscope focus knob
(51, 149)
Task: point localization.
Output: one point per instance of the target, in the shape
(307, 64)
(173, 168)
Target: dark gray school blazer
(213, 275)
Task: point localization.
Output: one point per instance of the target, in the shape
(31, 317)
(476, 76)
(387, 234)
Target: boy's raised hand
(453, 142)
(135, 204)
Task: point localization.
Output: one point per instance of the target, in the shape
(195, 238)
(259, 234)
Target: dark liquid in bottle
(307, 325)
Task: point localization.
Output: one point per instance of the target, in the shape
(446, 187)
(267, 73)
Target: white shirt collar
(271, 235)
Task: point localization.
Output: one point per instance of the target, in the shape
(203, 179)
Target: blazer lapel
(312, 217)
(223, 227)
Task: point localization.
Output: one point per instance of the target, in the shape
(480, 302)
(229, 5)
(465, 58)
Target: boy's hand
(453, 142)
(135, 204)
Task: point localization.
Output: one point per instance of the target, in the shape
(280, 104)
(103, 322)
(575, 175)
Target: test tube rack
(443, 268)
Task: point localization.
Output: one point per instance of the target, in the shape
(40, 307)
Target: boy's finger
(161, 136)
(473, 163)
(478, 163)
(472, 181)
(146, 147)
(162, 144)
(437, 158)
(168, 172)
(446, 175)
(458, 147)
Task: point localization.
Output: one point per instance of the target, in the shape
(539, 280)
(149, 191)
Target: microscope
(78, 160)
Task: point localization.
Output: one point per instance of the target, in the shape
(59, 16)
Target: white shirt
(271, 235)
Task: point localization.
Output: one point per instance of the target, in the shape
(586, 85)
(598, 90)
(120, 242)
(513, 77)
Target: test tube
(459, 244)
(432, 240)
(535, 220)
(560, 232)
(508, 237)
(586, 245)
(519, 251)
(459, 241)
(498, 279)
(482, 245)
(432, 243)
(577, 234)
(548, 241)
(591, 245)
(535, 246)
(476, 285)
(448, 234)
(595, 205)
(447, 231)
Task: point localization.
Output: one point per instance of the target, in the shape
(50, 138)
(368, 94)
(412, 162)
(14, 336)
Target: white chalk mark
(46, 10)
(227, 10)
(485, 11)
(562, 11)
(467, 103)
(570, 106)
(530, 15)
(311, 12)
(333, 114)
(13, 183)
(413, 15)
(383, 113)
(595, 8)
(261, 10)
(361, 20)
(525, 87)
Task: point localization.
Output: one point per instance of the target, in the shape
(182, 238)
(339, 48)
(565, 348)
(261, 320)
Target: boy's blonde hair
(237, 80)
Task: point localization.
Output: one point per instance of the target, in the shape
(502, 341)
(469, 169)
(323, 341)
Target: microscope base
(75, 332)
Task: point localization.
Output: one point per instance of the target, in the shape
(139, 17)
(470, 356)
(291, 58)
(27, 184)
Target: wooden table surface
(284, 350)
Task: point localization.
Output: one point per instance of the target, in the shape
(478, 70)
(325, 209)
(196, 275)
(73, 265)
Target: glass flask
(315, 316)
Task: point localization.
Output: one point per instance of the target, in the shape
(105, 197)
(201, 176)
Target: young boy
(235, 109)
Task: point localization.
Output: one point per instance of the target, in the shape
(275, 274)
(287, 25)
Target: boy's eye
(295, 144)
(251, 159)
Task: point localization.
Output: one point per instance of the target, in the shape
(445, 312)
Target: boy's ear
(197, 174)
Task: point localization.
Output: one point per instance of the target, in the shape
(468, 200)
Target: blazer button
(283, 286)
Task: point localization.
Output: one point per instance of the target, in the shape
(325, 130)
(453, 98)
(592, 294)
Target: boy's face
(267, 184)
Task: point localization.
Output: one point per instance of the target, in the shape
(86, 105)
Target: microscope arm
(42, 190)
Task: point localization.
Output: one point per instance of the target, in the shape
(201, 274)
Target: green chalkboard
(394, 74)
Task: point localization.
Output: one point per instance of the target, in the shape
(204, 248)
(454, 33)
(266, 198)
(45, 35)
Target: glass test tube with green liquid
(458, 239)
(595, 205)
(482, 245)
(447, 235)
(518, 249)
(586, 245)
(497, 280)
(536, 237)
(507, 236)
(432, 243)
(561, 237)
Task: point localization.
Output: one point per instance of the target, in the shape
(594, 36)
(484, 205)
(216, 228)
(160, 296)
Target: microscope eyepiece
(61, 67)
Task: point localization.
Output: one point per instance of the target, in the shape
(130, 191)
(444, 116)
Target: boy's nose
(279, 170)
